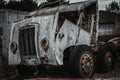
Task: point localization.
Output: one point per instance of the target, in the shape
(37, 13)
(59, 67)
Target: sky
(103, 3)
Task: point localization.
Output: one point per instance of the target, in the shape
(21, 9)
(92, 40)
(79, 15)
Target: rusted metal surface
(53, 33)
(64, 8)
(87, 63)
(108, 58)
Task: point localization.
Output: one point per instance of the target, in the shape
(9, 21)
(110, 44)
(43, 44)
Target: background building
(7, 17)
(109, 25)
(109, 19)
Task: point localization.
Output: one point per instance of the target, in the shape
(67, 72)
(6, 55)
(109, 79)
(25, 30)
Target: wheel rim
(108, 59)
(86, 64)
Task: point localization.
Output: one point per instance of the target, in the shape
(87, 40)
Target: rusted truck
(62, 35)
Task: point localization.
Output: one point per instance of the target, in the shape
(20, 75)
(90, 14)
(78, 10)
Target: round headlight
(44, 43)
(13, 47)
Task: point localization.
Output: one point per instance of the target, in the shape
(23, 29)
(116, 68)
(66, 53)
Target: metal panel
(84, 39)
(64, 8)
(66, 37)
(27, 41)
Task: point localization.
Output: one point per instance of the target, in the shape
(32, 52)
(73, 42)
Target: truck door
(66, 33)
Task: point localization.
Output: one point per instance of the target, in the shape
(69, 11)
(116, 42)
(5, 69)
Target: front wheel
(81, 62)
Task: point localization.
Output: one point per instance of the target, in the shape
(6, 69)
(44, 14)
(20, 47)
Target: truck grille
(27, 41)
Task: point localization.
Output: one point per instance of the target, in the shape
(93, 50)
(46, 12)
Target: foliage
(29, 5)
(24, 5)
(2, 4)
(113, 7)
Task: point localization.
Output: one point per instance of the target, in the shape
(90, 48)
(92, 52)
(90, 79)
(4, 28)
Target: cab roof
(64, 8)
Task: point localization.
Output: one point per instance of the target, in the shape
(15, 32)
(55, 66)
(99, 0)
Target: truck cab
(61, 35)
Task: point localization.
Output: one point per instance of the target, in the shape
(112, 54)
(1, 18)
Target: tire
(104, 59)
(81, 59)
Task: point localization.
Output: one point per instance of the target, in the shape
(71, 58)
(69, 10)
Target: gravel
(115, 73)
(63, 73)
(60, 72)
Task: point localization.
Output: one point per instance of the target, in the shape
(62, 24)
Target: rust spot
(44, 43)
(13, 47)
(53, 22)
(45, 58)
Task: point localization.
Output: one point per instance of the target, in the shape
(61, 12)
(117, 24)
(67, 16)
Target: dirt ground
(62, 73)
(56, 72)
(115, 73)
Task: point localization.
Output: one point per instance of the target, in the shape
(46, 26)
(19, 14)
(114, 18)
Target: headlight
(44, 43)
(13, 47)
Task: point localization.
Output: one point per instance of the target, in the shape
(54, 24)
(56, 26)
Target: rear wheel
(81, 62)
(104, 59)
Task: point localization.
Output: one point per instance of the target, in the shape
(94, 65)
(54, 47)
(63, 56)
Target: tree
(24, 5)
(113, 7)
(2, 4)
(14, 5)
(29, 5)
